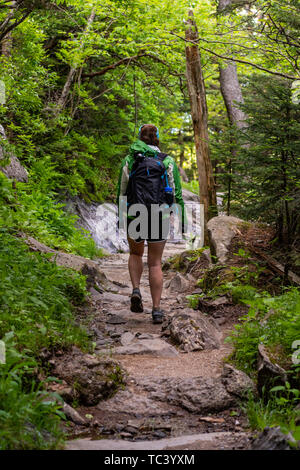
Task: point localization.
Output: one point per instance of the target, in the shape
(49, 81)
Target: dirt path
(162, 404)
(204, 363)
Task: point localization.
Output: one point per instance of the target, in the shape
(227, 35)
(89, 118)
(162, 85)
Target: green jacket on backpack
(170, 165)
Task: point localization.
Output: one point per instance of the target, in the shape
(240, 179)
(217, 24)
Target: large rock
(272, 439)
(99, 219)
(193, 331)
(139, 405)
(269, 374)
(91, 377)
(88, 267)
(199, 442)
(178, 283)
(196, 394)
(157, 396)
(155, 347)
(237, 382)
(189, 196)
(200, 394)
(221, 230)
(14, 169)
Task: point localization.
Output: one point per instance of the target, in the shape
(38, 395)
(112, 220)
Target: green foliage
(29, 417)
(120, 68)
(37, 305)
(272, 321)
(192, 186)
(196, 253)
(240, 281)
(32, 209)
(193, 300)
(266, 167)
(36, 298)
(272, 413)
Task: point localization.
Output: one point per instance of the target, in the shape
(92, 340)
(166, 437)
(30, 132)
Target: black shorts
(153, 234)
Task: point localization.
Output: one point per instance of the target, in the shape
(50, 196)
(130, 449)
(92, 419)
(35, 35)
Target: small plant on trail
(29, 416)
(272, 412)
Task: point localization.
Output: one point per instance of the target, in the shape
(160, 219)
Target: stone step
(204, 441)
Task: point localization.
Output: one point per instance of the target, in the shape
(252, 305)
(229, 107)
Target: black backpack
(148, 181)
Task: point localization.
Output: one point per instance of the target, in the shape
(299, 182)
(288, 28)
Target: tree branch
(259, 67)
(14, 25)
(127, 60)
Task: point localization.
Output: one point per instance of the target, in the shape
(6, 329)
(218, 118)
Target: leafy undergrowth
(32, 208)
(29, 417)
(37, 302)
(272, 319)
(275, 411)
(192, 186)
(185, 260)
(274, 322)
(263, 236)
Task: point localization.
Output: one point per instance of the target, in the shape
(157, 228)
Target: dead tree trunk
(232, 96)
(230, 86)
(197, 95)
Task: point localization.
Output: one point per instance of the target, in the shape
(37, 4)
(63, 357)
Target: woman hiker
(150, 178)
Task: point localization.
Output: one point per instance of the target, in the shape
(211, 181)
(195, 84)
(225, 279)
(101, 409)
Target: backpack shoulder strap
(167, 160)
(161, 156)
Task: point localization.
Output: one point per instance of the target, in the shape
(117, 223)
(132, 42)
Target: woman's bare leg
(155, 251)
(135, 262)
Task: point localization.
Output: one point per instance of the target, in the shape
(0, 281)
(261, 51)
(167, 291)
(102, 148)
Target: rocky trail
(177, 392)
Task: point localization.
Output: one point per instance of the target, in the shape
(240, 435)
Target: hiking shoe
(157, 315)
(136, 301)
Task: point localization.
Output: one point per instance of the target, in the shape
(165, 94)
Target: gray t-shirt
(154, 147)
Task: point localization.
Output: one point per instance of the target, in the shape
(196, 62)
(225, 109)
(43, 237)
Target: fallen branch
(275, 265)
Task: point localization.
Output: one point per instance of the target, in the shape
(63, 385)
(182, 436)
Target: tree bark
(181, 146)
(230, 86)
(6, 43)
(232, 96)
(7, 24)
(197, 95)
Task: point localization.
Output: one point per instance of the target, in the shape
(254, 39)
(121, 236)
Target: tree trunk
(232, 95)
(181, 146)
(66, 89)
(6, 43)
(230, 86)
(197, 95)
